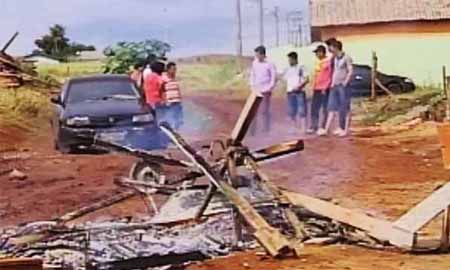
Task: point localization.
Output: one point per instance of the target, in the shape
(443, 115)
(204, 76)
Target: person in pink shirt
(262, 82)
(321, 86)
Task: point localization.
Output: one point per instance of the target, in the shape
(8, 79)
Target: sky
(192, 27)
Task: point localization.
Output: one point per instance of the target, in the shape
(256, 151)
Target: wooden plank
(377, 228)
(21, 264)
(276, 191)
(246, 117)
(9, 42)
(271, 239)
(425, 211)
(384, 88)
(96, 206)
(278, 150)
(445, 230)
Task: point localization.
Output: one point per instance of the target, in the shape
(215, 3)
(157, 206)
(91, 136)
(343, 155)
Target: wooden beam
(277, 193)
(269, 238)
(211, 191)
(425, 211)
(445, 237)
(384, 88)
(282, 149)
(96, 206)
(377, 228)
(21, 264)
(245, 119)
(10, 41)
(374, 75)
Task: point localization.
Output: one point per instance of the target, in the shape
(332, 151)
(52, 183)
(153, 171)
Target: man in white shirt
(296, 79)
(262, 81)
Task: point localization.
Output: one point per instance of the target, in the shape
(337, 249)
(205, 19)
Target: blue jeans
(319, 103)
(296, 104)
(160, 112)
(174, 115)
(340, 101)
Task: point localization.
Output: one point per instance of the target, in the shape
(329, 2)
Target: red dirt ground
(384, 175)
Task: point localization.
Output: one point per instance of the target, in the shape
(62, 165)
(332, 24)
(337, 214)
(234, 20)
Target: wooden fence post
(374, 75)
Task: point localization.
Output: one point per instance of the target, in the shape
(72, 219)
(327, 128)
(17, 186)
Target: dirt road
(384, 175)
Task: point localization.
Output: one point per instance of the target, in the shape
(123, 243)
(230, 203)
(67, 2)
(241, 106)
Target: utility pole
(306, 24)
(276, 14)
(238, 29)
(261, 21)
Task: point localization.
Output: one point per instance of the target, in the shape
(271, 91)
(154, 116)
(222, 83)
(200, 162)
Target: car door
(360, 83)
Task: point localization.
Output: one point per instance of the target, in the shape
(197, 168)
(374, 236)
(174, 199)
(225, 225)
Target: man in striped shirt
(172, 96)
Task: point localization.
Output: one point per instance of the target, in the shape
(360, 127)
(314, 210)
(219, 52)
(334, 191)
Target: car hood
(106, 107)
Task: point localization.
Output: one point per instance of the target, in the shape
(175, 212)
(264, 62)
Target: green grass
(23, 105)
(211, 76)
(385, 108)
(71, 69)
(420, 58)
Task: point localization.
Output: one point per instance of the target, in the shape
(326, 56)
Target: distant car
(108, 107)
(361, 82)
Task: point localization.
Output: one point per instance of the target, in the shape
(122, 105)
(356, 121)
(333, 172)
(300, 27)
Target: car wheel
(395, 88)
(147, 172)
(63, 149)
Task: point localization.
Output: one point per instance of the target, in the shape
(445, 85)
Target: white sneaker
(321, 132)
(342, 133)
(338, 131)
(310, 131)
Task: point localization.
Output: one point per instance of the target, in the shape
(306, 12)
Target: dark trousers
(264, 113)
(319, 103)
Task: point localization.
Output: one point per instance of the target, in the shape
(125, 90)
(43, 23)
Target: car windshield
(91, 90)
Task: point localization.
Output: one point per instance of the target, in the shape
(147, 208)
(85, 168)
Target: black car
(108, 107)
(362, 78)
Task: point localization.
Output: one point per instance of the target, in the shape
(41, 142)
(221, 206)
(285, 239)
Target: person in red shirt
(154, 88)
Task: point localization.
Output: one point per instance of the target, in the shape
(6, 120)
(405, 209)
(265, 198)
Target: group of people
(331, 95)
(161, 89)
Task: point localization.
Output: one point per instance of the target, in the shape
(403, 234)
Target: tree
(123, 55)
(58, 45)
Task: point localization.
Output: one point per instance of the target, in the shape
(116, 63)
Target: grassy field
(215, 77)
(420, 58)
(23, 107)
(65, 70)
(194, 76)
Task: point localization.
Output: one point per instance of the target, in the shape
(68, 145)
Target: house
(89, 56)
(410, 37)
(40, 59)
(348, 19)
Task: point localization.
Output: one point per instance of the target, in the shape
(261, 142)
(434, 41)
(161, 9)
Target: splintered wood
(21, 264)
(425, 211)
(377, 228)
(271, 239)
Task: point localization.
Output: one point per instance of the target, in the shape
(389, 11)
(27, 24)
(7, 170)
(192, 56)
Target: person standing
(340, 95)
(153, 88)
(262, 82)
(137, 75)
(296, 79)
(321, 86)
(172, 94)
